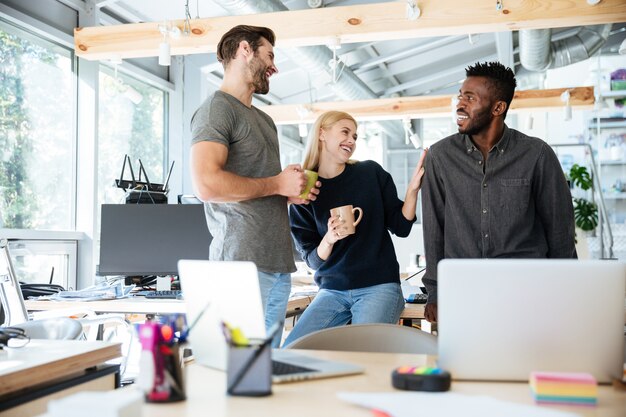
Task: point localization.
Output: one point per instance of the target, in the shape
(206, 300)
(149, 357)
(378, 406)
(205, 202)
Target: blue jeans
(275, 289)
(381, 303)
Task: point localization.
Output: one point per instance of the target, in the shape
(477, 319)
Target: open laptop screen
(502, 319)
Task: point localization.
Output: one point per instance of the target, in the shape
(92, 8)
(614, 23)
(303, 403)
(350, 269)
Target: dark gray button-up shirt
(515, 204)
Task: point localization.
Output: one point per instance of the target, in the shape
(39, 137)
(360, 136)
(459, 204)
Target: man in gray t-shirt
(235, 168)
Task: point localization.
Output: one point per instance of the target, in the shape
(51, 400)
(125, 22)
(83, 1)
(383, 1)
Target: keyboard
(282, 368)
(417, 298)
(172, 294)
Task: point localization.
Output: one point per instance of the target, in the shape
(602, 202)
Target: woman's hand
(416, 180)
(335, 227)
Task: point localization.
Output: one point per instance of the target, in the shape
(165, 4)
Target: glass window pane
(36, 132)
(131, 121)
(437, 129)
(48, 262)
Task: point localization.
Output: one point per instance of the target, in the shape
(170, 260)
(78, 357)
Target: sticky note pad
(564, 388)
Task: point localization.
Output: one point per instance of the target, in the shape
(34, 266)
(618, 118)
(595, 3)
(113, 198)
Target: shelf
(613, 94)
(615, 196)
(613, 124)
(613, 162)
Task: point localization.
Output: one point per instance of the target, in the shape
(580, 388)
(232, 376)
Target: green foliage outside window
(35, 133)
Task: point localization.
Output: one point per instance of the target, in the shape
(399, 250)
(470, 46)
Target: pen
(242, 371)
(184, 334)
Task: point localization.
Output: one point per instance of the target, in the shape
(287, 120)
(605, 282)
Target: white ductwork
(313, 59)
(537, 52)
(534, 49)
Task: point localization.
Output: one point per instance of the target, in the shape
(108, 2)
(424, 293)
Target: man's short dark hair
(501, 78)
(228, 45)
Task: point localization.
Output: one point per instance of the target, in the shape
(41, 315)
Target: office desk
(206, 392)
(44, 369)
(140, 305)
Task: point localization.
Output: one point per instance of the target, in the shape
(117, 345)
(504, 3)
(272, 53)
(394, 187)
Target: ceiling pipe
(538, 52)
(314, 59)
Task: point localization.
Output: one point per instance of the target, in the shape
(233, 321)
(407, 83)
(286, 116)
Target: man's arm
(554, 205)
(433, 219)
(213, 183)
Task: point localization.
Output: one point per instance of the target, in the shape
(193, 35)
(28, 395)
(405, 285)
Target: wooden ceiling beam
(359, 23)
(423, 106)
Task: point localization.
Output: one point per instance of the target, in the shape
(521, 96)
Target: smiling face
(338, 142)
(261, 67)
(475, 105)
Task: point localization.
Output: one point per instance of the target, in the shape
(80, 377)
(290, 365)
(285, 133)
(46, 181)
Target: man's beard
(260, 82)
(477, 122)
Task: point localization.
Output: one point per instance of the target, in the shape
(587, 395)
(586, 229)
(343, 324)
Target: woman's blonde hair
(325, 121)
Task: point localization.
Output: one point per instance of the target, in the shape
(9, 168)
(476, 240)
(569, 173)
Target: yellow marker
(238, 338)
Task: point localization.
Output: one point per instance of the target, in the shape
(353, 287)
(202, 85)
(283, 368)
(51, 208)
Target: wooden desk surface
(41, 361)
(140, 305)
(135, 305)
(206, 391)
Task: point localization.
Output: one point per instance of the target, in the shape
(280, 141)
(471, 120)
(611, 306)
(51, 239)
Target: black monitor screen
(149, 239)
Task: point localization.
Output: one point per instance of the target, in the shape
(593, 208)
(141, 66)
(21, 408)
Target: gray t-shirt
(255, 230)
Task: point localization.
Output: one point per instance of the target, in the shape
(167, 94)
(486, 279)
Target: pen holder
(249, 371)
(161, 373)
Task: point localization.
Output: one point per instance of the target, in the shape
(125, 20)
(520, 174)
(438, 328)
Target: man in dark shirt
(491, 191)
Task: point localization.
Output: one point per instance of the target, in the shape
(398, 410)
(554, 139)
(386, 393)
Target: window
(40, 261)
(131, 121)
(437, 129)
(37, 90)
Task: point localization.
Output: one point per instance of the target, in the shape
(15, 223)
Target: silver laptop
(502, 319)
(229, 292)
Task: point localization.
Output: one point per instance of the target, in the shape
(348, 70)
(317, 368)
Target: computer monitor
(150, 239)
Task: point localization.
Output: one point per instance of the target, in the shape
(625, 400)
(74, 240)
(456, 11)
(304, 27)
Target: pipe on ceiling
(538, 53)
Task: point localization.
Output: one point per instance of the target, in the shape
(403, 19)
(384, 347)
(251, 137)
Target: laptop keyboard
(282, 368)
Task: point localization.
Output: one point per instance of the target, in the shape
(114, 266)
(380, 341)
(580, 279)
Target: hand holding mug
(335, 224)
(311, 184)
(291, 181)
(346, 214)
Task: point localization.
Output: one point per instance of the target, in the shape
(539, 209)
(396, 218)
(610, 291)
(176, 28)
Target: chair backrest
(10, 293)
(58, 328)
(388, 338)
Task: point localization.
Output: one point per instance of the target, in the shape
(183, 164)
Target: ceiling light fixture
(413, 11)
(622, 48)
(187, 24)
(565, 97)
(335, 44)
(409, 134)
(304, 112)
(530, 121)
(499, 5)
(302, 130)
(168, 31)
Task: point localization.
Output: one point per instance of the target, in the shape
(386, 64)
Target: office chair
(58, 328)
(387, 338)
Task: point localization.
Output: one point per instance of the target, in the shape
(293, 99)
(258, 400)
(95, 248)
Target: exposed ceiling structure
(393, 68)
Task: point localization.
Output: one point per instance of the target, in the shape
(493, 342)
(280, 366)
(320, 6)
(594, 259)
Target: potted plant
(585, 211)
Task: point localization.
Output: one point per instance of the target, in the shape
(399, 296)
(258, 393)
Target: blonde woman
(357, 274)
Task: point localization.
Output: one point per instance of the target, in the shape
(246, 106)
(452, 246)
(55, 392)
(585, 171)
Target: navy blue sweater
(367, 257)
